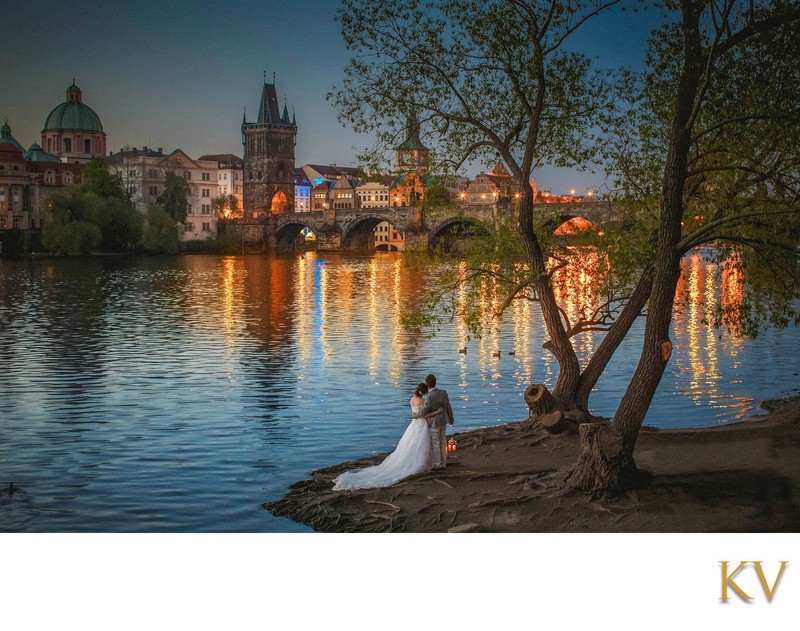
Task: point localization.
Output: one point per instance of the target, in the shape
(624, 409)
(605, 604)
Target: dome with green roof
(73, 114)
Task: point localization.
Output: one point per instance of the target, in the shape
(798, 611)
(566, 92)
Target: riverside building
(143, 172)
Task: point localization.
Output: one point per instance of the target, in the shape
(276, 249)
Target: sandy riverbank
(743, 477)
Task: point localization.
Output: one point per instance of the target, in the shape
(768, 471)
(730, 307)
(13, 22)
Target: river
(177, 394)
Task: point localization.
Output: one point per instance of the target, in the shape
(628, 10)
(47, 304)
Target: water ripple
(178, 394)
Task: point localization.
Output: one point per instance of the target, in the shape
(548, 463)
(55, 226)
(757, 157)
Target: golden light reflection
(692, 323)
(304, 297)
(321, 307)
(373, 299)
(697, 297)
(575, 288)
(397, 346)
(521, 317)
(462, 332)
(732, 295)
(325, 312)
(229, 304)
(711, 374)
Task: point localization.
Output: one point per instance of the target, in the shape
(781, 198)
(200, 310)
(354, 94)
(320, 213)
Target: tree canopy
(96, 178)
(175, 196)
(703, 143)
(485, 80)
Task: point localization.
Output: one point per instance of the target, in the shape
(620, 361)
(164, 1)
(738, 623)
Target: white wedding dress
(411, 456)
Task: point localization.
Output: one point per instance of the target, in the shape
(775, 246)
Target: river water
(179, 394)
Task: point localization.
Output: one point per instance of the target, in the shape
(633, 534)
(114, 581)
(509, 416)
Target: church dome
(73, 114)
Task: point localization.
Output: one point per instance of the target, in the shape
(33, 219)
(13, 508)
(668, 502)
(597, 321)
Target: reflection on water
(178, 394)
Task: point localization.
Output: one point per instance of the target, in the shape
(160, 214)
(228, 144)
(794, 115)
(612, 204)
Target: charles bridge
(353, 229)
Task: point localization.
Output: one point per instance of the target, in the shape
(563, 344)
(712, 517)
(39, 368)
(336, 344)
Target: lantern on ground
(452, 445)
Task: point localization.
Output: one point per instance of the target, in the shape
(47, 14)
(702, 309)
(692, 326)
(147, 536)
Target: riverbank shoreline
(738, 477)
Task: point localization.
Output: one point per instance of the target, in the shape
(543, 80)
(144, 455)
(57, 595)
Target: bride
(411, 456)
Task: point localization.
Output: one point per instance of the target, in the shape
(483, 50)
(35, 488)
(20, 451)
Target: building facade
(230, 176)
(143, 173)
(490, 188)
(26, 180)
(388, 238)
(373, 192)
(16, 185)
(269, 158)
(302, 192)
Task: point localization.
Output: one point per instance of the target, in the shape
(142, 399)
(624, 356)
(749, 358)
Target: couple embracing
(422, 447)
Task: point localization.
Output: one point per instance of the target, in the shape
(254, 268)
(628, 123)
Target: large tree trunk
(559, 343)
(610, 343)
(591, 473)
(600, 462)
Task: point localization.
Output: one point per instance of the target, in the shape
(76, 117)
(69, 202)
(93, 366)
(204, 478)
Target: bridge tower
(269, 157)
(412, 167)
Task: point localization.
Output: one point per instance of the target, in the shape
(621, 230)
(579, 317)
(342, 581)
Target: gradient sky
(177, 74)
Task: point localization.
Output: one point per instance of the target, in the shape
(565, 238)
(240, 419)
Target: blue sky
(179, 74)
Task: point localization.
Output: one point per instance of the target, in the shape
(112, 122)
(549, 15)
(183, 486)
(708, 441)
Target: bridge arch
(571, 225)
(361, 233)
(455, 233)
(293, 235)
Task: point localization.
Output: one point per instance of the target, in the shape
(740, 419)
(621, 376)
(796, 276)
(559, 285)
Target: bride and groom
(422, 447)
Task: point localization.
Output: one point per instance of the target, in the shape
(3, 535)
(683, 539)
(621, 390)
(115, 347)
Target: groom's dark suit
(436, 399)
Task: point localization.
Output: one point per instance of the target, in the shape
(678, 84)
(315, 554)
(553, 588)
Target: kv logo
(728, 580)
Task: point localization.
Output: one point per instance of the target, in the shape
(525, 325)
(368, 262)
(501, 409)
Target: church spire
(285, 115)
(412, 129)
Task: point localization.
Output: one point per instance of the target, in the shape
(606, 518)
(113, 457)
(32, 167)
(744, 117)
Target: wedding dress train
(411, 456)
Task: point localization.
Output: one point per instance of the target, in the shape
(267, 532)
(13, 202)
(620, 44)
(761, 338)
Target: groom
(437, 399)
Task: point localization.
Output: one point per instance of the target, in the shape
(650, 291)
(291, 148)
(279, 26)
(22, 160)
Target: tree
(125, 165)
(98, 205)
(120, 224)
(175, 196)
(723, 135)
(453, 63)
(706, 149)
(437, 195)
(226, 207)
(160, 231)
(71, 226)
(96, 178)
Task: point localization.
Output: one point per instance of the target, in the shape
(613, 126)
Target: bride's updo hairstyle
(421, 390)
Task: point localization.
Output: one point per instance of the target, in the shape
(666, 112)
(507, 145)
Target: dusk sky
(180, 74)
